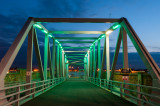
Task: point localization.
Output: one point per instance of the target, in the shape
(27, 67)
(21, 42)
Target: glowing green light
(103, 36)
(38, 26)
(50, 35)
(109, 31)
(45, 31)
(115, 27)
(57, 41)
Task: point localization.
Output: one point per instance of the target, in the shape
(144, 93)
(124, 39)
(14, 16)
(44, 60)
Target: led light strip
(110, 30)
(46, 32)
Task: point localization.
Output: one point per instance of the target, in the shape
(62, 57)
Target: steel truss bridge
(59, 89)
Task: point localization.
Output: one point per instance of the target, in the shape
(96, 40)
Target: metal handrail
(35, 87)
(108, 84)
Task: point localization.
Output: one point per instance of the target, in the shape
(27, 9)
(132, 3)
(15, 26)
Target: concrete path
(77, 93)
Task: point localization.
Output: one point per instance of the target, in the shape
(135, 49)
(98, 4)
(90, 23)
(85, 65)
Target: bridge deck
(77, 93)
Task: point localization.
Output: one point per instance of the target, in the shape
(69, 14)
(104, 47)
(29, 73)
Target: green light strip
(49, 34)
(110, 30)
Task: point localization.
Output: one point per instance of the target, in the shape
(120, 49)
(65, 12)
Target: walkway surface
(77, 93)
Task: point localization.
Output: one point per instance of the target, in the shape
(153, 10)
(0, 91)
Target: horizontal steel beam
(75, 47)
(77, 32)
(82, 60)
(78, 38)
(75, 51)
(75, 56)
(75, 63)
(78, 20)
(76, 41)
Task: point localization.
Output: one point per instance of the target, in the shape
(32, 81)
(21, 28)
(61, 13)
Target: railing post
(138, 95)
(17, 96)
(109, 85)
(121, 89)
(105, 83)
(100, 82)
(33, 91)
(44, 85)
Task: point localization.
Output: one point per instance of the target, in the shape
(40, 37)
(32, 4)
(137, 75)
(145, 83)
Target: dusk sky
(143, 15)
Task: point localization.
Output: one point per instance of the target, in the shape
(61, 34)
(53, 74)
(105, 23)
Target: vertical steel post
(53, 58)
(29, 59)
(45, 56)
(94, 62)
(85, 67)
(50, 62)
(103, 57)
(63, 64)
(107, 58)
(91, 62)
(57, 61)
(29, 56)
(125, 56)
(125, 51)
(99, 59)
(88, 63)
(60, 58)
(67, 68)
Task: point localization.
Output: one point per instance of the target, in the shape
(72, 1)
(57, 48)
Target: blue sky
(143, 15)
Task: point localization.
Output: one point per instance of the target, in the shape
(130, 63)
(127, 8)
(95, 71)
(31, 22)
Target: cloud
(60, 8)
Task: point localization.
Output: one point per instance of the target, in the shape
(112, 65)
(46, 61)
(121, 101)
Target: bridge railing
(21, 93)
(138, 94)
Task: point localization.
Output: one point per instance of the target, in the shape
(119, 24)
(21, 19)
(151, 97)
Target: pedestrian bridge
(96, 87)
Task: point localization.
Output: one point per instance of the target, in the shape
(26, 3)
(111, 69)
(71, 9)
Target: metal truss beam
(115, 58)
(75, 51)
(99, 58)
(77, 38)
(77, 54)
(103, 57)
(76, 63)
(46, 56)
(53, 58)
(38, 55)
(76, 42)
(12, 52)
(29, 58)
(77, 20)
(50, 62)
(76, 47)
(142, 51)
(77, 32)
